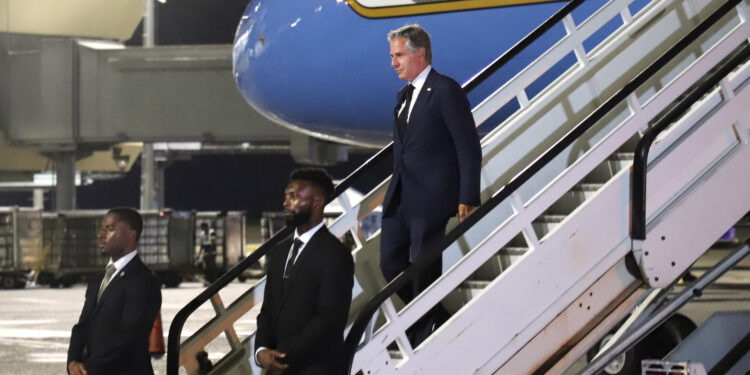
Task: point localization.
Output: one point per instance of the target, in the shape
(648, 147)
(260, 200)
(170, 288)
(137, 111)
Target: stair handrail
(175, 328)
(519, 47)
(640, 160)
(434, 248)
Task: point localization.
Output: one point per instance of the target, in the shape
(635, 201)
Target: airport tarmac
(35, 322)
(35, 325)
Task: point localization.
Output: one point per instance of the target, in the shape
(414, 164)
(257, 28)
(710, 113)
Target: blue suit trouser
(403, 241)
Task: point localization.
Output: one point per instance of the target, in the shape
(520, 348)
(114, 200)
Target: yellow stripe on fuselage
(434, 7)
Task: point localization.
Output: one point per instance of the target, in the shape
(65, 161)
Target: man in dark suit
(436, 165)
(308, 287)
(112, 334)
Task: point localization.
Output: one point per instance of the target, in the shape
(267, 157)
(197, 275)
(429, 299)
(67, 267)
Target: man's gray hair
(416, 37)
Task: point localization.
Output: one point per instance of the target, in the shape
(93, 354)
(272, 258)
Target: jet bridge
(550, 263)
(73, 90)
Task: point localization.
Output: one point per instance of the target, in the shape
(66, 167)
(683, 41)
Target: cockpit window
(397, 8)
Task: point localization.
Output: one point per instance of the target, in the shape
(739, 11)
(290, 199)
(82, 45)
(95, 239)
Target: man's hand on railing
(268, 360)
(464, 210)
(76, 368)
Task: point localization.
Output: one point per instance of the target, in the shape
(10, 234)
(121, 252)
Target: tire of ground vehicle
(670, 334)
(171, 280)
(625, 364)
(68, 280)
(54, 282)
(654, 346)
(44, 278)
(8, 281)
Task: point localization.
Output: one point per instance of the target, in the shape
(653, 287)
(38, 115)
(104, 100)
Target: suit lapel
(116, 281)
(424, 95)
(90, 304)
(301, 261)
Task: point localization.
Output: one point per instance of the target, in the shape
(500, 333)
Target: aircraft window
(396, 8)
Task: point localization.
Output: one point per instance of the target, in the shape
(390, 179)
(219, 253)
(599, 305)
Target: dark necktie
(290, 262)
(403, 116)
(107, 275)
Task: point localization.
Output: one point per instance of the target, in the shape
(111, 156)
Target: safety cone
(156, 340)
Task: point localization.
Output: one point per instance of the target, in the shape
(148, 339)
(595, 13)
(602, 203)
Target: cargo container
(166, 246)
(20, 245)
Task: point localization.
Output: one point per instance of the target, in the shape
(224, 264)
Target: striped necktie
(111, 269)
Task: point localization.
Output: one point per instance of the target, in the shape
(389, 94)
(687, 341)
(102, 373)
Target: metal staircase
(547, 265)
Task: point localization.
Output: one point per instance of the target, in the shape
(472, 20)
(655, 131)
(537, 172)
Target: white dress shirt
(122, 262)
(305, 238)
(417, 83)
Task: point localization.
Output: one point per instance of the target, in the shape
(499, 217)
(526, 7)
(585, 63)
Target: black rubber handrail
(175, 329)
(435, 248)
(640, 161)
(485, 73)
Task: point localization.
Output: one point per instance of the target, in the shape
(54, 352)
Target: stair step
(623, 156)
(494, 266)
(468, 290)
(547, 223)
(574, 198)
(607, 169)
(550, 218)
(474, 285)
(395, 354)
(589, 187)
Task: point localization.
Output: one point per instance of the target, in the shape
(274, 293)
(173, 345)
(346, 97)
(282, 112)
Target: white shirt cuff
(256, 355)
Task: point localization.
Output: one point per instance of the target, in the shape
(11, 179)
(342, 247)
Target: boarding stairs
(548, 264)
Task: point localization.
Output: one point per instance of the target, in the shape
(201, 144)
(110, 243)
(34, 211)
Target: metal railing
(175, 330)
(640, 162)
(436, 247)
(638, 217)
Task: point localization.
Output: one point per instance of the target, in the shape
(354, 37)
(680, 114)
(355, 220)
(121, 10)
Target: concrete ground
(35, 322)
(35, 325)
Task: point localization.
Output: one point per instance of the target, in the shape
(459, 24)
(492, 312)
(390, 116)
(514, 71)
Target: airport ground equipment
(655, 316)
(728, 333)
(226, 234)
(70, 240)
(20, 245)
(551, 261)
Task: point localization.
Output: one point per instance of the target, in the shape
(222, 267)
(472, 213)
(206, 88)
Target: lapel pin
(429, 89)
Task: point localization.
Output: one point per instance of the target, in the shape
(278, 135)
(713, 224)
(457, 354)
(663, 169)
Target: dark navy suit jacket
(438, 159)
(111, 337)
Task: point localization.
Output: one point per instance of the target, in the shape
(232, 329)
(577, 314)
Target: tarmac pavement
(35, 325)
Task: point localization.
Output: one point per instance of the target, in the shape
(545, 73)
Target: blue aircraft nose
(318, 67)
(302, 64)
